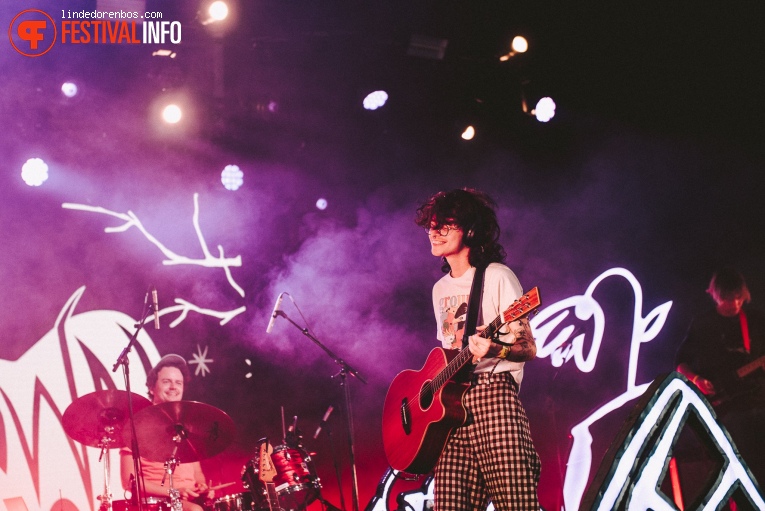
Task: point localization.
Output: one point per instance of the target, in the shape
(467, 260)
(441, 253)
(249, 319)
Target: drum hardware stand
(122, 360)
(106, 498)
(175, 495)
(338, 475)
(170, 466)
(328, 506)
(345, 369)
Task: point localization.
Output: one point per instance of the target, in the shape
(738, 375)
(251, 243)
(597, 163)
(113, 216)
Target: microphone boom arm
(339, 361)
(345, 369)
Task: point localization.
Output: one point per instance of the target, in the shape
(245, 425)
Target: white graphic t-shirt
(450, 296)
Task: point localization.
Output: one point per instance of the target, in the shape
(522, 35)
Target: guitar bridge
(406, 416)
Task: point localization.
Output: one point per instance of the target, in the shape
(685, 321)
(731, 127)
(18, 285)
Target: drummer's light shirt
(183, 476)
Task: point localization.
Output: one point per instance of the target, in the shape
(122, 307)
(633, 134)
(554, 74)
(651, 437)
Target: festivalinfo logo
(33, 32)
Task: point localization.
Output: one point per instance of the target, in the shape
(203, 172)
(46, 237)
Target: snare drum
(235, 502)
(296, 482)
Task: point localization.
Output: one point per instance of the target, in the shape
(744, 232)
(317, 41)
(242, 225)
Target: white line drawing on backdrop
(209, 261)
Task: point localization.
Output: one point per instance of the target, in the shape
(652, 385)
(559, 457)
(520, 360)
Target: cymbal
(98, 419)
(198, 431)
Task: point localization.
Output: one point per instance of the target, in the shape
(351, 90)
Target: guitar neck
(272, 496)
(752, 366)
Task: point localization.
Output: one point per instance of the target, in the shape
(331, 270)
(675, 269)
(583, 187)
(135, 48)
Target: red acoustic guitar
(423, 407)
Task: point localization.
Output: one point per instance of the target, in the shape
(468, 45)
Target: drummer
(165, 383)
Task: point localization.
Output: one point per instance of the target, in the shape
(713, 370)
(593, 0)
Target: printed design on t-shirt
(453, 314)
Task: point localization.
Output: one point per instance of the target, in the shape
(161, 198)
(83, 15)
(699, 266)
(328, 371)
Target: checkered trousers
(492, 456)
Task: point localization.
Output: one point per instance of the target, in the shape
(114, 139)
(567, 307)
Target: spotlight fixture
(321, 204)
(172, 114)
(375, 100)
(34, 172)
(69, 89)
(545, 109)
(469, 133)
(218, 11)
(519, 45)
(232, 177)
(219, 16)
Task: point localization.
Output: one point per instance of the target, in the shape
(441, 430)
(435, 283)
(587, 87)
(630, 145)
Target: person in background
(165, 383)
(720, 342)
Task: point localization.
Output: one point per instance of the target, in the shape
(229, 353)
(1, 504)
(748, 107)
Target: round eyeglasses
(443, 230)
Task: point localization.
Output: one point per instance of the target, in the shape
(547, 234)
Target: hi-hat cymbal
(98, 419)
(197, 430)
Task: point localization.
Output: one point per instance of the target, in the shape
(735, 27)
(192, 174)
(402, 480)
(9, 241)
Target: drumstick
(220, 486)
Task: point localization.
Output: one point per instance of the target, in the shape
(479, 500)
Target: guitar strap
(474, 303)
(745, 331)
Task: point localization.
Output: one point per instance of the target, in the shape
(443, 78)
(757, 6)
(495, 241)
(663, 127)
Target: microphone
(155, 304)
(277, 308)
(323, 421)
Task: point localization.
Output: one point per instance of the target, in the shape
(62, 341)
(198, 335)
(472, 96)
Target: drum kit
(188, 431)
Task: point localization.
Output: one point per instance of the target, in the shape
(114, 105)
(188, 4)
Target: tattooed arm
(523, 347)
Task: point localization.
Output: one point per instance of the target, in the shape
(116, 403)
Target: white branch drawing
(209, 261)
(185, 307)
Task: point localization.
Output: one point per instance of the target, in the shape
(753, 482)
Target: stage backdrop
(618, 226)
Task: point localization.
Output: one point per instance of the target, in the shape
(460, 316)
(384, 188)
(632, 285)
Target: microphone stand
(345, 370)
(122, 360)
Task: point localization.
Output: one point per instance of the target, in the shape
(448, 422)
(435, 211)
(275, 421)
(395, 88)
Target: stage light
(468, 134)
(232, 177)
(321, 204)
(218, 11)
(375, 100)
(218, 16)
(34, 172)
(69, 89)
(518, 45)
(164, 53)
(545, 109)
(172, 114)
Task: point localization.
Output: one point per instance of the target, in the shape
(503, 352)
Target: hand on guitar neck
(515, 343)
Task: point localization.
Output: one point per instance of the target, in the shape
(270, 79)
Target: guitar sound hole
(426, 397)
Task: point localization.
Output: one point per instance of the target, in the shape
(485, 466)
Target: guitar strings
(460, 359)
(457, 361)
